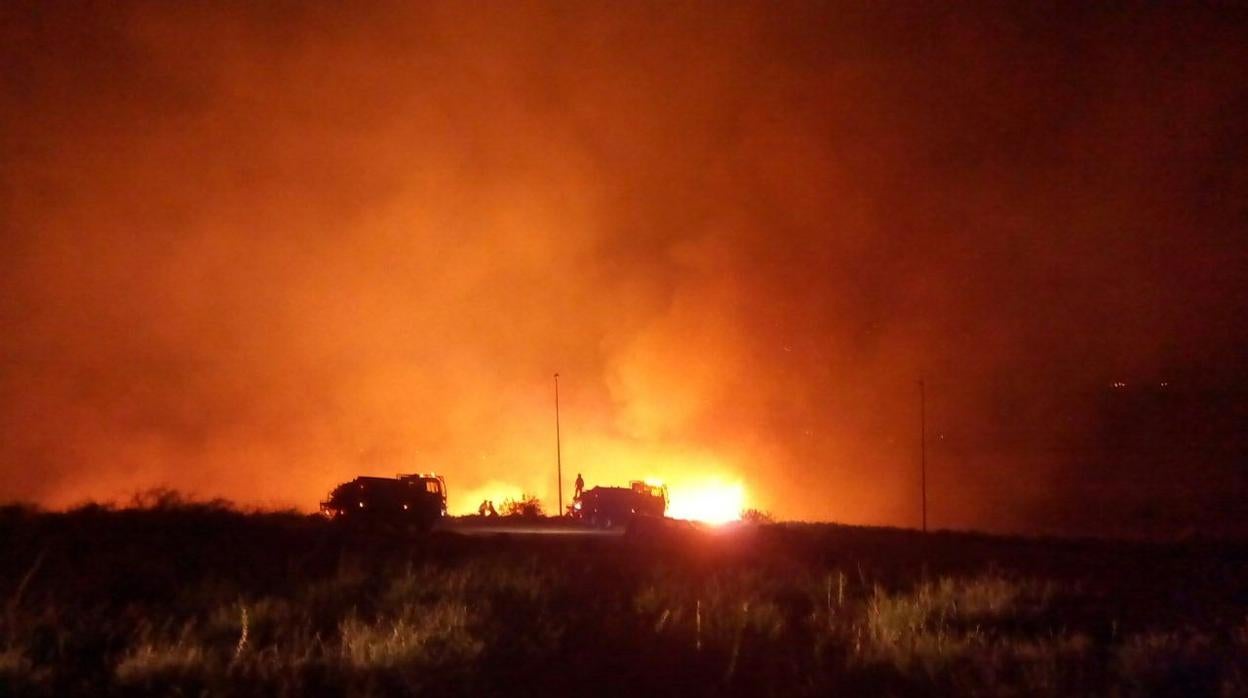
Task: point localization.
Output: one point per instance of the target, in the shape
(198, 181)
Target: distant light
(361, 505)
(404, 507)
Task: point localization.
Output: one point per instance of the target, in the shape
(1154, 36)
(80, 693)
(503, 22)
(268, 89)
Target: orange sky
(253, 251)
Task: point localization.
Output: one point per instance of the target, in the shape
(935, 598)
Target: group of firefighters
(487, 505)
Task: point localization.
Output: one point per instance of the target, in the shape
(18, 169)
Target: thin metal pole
(923, 445)
(558, 448)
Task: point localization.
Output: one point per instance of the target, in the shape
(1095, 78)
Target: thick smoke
(252, 250)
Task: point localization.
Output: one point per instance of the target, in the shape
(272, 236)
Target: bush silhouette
(527, 505)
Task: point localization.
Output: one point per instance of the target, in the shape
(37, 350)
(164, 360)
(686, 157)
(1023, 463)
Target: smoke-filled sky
(252, 250)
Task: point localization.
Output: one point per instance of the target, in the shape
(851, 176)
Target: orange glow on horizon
(255, 268)
(468, 502)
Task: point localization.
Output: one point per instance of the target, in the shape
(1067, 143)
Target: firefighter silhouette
(486, 508)
(580, 487)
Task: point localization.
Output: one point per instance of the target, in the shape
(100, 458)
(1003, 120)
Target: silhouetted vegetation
(189, 598)
(757, 516)
(526, 505)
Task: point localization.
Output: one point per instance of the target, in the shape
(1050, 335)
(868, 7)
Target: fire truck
(414, 500)
(607, 507)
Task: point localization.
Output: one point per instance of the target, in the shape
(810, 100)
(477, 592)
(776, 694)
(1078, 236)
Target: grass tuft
(426, 635)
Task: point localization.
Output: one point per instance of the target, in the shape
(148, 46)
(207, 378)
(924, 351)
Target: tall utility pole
(558, 453)
(923, 445)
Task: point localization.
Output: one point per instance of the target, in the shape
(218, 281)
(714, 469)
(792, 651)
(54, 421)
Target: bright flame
(469, 500)
(713, 503)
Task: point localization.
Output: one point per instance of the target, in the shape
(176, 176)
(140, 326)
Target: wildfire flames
(710, 502)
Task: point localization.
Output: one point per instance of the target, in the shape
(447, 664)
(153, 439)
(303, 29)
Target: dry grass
(149, 661)
(331, 615)
(424, 634)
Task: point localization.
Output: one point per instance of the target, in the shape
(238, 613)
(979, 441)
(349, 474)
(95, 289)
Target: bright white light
(713, 503)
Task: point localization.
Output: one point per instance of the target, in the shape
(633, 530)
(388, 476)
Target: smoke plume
(255, 249)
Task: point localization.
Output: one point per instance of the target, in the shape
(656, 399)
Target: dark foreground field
(201, 600)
